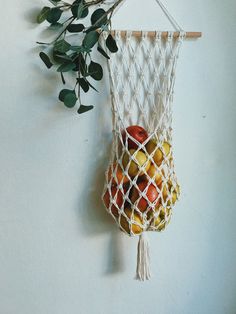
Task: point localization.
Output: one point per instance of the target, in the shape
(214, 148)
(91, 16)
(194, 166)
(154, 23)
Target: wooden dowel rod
(163, 34)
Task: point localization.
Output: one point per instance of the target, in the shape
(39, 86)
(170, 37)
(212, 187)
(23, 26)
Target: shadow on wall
(95, 220)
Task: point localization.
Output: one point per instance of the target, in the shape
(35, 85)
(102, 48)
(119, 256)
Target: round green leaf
(70, 100)
(99, 15)
(95, 71)
(54, 15)
(62, 46)
(111, 44)
(63, 93)
(75, 28)
(43, 14)
(45, 58)
(90, 39)
(83, 84)
(84, 13)
(79, 10)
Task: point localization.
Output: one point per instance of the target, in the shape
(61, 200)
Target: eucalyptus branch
(95, 2)
(109, 11)
(77, 58)
(64, 30)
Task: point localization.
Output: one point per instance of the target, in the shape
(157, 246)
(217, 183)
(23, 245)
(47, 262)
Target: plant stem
(90, 3)
(111, 10)
(64, 30)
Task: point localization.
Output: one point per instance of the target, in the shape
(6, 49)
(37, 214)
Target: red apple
(116, 195)
(151, 194)
(136, 132)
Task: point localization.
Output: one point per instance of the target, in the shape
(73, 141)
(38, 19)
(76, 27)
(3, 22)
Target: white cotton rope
(169, 16)
(143, 259)
(142, 78)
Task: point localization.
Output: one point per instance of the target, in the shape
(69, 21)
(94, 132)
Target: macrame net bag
(141, 186)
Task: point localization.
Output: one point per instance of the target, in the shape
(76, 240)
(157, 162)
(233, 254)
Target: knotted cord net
(141, 186)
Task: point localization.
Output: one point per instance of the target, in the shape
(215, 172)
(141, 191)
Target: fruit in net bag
(151, 196)
(114, 197)
(158, 152)
(134, 133)
(131, 221)
(134, 160)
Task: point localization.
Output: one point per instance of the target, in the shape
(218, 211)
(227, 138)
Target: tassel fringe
(143, 259)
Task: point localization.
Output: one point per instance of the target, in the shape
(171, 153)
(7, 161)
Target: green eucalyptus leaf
(68, 96)
(70, 100)
(45, 58)
(83, 84)
(43, 14)
(62, 46)
(79, 9)
(83, 109)
(102, 51)
(66, 67)
(54, 15)
(95, 71)
(75, 28)
(99, 17)
(63, 93)
(111, 44)
(90, 39)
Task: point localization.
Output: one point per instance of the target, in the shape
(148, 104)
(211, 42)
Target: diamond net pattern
(141, 186)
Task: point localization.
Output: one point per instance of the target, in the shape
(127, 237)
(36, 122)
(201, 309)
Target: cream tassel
(143, 259)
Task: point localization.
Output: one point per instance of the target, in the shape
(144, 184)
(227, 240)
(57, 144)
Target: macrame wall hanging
(141, 186)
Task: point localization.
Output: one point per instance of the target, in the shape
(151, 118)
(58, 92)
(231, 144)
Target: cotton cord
(142, 79)
(143, 259)
(172, 20)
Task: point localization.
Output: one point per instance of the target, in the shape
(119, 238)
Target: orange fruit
(118, 175)
(116, 196)
(135, 225)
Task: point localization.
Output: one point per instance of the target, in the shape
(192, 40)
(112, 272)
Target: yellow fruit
(166, 148)
(177, 190)
(160, 222)
(158, 155)
(134, 166)
(173, 194)
(157, 221)
(174, 198)
(155, 174)
(131, 227)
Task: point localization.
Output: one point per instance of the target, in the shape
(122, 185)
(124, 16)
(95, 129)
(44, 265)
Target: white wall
(60, 251)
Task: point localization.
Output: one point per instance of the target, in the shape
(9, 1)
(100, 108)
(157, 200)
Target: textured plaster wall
(60, 253)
